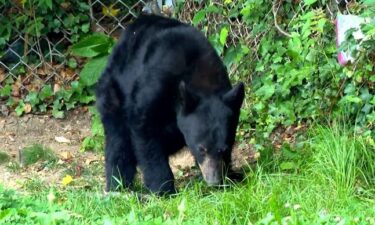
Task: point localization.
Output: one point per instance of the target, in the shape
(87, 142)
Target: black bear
(165, 87)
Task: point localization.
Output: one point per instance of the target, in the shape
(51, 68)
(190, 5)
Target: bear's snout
(211, 169)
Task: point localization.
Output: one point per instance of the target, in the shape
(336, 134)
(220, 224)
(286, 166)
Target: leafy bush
(36, 18)
(293, 75)
(291, 65)
(27, 24)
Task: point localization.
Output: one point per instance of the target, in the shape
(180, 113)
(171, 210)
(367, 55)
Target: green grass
(35, 153)
(334, 184)
(342, 160)
(4, 157)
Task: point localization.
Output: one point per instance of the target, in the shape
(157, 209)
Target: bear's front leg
(153, 161)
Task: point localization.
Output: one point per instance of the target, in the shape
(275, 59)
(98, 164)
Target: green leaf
(6, 90)
(35, 27)
(58, 114)
(20, 109)
(213, 9)
(85, 27)
(369, 2)
(223, 35)
(70, 105)
(76, 87)
(266, 91)
(92, 70)
(46, 92)
(288, 166)
(245, 11)
(92, 46)
(72, 63)
(32, 97)
(42, 107)
(352, 99)
(309, 2)
(199, 17)
(85, 99)
(373, 101)
(48, 3)
(321, 23)
(295, 47)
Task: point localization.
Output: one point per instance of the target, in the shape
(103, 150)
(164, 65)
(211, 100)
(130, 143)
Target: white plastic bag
(343, 24)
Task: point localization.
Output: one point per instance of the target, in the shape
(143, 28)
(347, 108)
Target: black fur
(164, 87)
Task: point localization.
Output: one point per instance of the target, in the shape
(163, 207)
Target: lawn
(329, 180)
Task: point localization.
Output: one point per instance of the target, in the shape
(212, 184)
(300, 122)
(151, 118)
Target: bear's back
(172, 51)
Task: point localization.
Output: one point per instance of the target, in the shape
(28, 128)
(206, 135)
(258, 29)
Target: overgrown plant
(342, 160)
(291, 65)
(24, 24)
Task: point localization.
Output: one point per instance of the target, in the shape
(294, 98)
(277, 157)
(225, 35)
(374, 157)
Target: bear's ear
(235, 96)
(188, 99)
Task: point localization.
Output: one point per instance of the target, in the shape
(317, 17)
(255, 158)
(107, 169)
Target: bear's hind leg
(120, 162)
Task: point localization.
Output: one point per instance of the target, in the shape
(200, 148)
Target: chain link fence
(29, 62)
(238, 30)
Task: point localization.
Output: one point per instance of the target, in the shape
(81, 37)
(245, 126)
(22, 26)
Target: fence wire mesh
(31, 61)
(238, 30)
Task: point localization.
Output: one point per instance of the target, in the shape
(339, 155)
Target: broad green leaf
(349, 89)
(85, 99)
(213, 9)
(369, 2)
(309, 2)
(46, 92)
(58, 114)
(48, 3)
(85, 27)
(321, 23)
(366, 108)
(373, 101)
(288, 166)
(92, 46)
(199, 17)
(266, 91)
(32, 97)
(352, 99)
(92, 70)
(295, 47)
(42, 107)
(223, 35)
(6, 90)
(20, 109)
(72, 63)
(245, 11)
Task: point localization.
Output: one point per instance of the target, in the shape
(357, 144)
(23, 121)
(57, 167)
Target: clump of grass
(35, 153)
(341, 159)
(33, 184)
(13, 166)
(4, 157)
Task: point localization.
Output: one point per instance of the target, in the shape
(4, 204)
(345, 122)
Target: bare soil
(63, 137)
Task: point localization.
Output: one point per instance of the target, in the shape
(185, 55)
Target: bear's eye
(222, 150)
(202, 149)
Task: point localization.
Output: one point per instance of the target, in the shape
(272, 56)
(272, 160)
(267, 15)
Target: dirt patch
(17, 133)
(64, 137)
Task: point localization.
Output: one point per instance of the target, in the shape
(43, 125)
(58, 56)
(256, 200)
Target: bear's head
(208, 123)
